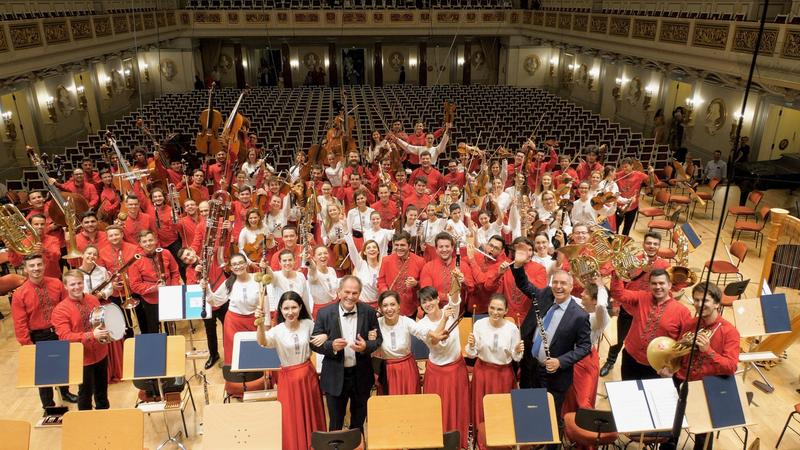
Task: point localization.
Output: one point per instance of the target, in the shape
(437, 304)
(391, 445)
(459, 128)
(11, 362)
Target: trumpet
(664, 351)
(17, 232)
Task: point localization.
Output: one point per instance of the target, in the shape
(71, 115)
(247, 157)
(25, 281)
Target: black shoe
(606, 368)
(212, 360)
(69, 397)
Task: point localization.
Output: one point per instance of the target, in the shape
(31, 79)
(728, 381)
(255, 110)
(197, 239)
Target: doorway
(780, 133)
(677, 93)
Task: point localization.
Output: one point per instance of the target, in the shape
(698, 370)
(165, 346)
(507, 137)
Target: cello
(339, 137)
(56, 209)
(230, 135)
(210, 119)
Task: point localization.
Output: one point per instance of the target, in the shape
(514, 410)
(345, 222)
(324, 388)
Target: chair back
(763, 212)
(662, 196)
(336, 440)
(713, 184)
(668, 171)
(755, 198)
(452, 440)
(739, 250)
(240, 377)
(16, 435)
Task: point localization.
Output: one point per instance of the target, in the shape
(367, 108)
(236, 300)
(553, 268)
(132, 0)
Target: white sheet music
(662, 397)
(649, 408)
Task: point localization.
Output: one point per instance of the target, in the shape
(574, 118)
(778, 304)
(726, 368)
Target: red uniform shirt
(518, 303)
(349, 196)
(113, 258)
(389, 212)
(71, 321)
(187, 226)
(558, 177)
(275, 261)
(455, 178)
(393, 275)
(435, 178)
(585, 170)
(214, 173)
(145, 273)
(51, 254)
(55, 232)
(538, 169)
(650, 320)
(110, 201)
(405, 189)
(215, 273)
(419, 201)
(204, 194)
(87, 190)
(437, 274)
(32, 306)
(83, 240)
(132, 227)
(485, 274)
(166, 231)
(722, 357)
(629, 185)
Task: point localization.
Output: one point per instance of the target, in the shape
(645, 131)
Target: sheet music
(629, 406)
(765, 289)
(662, 397)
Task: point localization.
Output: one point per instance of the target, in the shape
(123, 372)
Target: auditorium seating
(44, 9)
(348, 4)
(291, 119)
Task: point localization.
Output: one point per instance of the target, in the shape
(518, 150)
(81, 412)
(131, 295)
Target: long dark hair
(232, 278)
(295, 297)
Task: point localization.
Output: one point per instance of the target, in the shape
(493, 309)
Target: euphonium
(72, 243)
(17, 232)
(680, 273)
(664, 351)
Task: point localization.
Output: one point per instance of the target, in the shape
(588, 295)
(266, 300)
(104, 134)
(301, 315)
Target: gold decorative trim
(149, 21)
(538, 18)
(137, 22)
(121, 24)
(204, 17)
(581, 23)
(620, 26)
(186, 19)
(161, 19)
(81, 29)
(791, 45)
(565, 21)
(744, 40)
(401, 17)
(302, 17)
(377, 17)
(550, 20)
(171, 19)
(330, 18)
(425, 17)
(448, 17)
(674, 32)
(3, 40)
(354, 18)
(26, 35)
(56, 32)
(644, 29)
(598, 25)
(526, 17)
(102, 26)
(710, 35)
(256, 17)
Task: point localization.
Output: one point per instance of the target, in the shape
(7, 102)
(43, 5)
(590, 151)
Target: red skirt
(451, 383)
(402, 376)
(583, 392)
(488, 378)
(301, 405)
(235, 323)
(115, 361)
(318, 307)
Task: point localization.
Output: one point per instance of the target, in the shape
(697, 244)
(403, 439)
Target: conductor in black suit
(549, 364)
(347, 368)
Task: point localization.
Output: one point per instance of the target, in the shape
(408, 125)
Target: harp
(781, 269)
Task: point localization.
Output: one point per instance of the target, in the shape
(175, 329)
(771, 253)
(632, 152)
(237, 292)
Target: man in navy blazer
(568, 331)
(347, 368)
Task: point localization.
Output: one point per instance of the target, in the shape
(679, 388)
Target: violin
(210, 120)
(255, 250)
(341, 254)
(603, 199)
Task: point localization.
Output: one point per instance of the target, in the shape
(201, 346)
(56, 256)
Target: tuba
(664, 351)
(680, 273)
(17, 232)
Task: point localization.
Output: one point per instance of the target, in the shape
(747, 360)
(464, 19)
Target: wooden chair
(666, 225)
(756, 227)
(237, 383)
(16, 435)
(120, 429)
(754, 198)
(584, 438)
(707, 197)
(727, 268)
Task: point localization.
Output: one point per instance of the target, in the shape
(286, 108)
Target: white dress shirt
(349, 326)
(356, 218)
(444, 352)
(94, 278)
(242, 298)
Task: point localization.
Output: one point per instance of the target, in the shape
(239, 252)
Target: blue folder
(150, 355)
(52, 363)
(419, 349)
(694, 239)
(776, 313)
(254, 356)
(723, 401)
(531, 415)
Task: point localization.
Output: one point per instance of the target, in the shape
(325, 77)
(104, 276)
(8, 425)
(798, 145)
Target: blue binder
(254, 356)
(150, 355)
(531, 415)
(419, 349)
(723, 401)
(776, 313)
(694, 239)
(52, 363)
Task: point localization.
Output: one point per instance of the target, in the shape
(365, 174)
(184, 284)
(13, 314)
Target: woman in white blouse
(286, 279)
(94, 275)
(499, 196)
(495, 342)
(240, 290)
(487, 229)
(446, 371)
(358, 217)
(402, 373)
(254, 227)
(322, 280)
(541, 252)
(430, 228)
(544, 185)
(366, 266)
(298, 390)
(557, 219)
(382, 236)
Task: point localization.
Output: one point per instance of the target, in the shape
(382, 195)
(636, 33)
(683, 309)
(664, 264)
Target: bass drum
(111, 318)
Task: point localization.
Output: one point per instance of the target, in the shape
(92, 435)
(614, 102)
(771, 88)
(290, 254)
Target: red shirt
(87, 190)
(518, 303)
(215, 273)
(166, 231)
(388, 212)
(204, 194)
(418, 139)
(187, 226)
(485, 274)
(132, 227)
(32, 306)
(419, 201)
(585, 170)
(405, 189)
(650, 320)
(110, 258)
(538, 169)
(214, 172)
(71, 321)
(437, 274)
(435, 178)
(393, 275)
(629, 185)
(558, 174)
(349, 197)
(722, 357)
(275, 261)
(51, 254)
(455, 178)
(144, 275)
(110, 201)
(55, 232)
(83, 240)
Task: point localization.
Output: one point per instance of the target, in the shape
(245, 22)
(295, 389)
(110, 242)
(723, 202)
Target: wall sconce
(412, 62)
(592, 75)
(128, 79)
(553, 64)
(648, 97)
(328, 62)
(105, 81)
(11, 128)
(616, 92)
(460, 61)
(691, 103)
(146, 73)
(570, 73)
(50, 102)
(244, 63)
(294, 64)
(82, 101)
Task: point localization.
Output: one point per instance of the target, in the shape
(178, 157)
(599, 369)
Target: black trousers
(624, 321)
(626, 220)
(211, 328)
(147, 315)
(337, 404)
(95, 384)
(632, 370)
(46, 394)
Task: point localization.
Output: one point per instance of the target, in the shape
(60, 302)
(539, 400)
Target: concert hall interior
(217, 215)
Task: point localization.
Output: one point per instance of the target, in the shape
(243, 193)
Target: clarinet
(540, 327)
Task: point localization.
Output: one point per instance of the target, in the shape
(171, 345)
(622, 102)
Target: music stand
(749, 319)
(499, 421)
(737, 288)
(243, 425)
(597, 421)
(404, 421)
(336, 440)
(249, 357)
(699, 416)
(27, 376)
(120, 429)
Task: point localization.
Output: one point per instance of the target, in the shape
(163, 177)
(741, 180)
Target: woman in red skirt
(583, 392)
(402, 373)
(298, 390)
(323, 282)
(241, 292)
(495, 342)
(446, 371)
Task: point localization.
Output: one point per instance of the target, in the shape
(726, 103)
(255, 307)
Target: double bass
(230, 135)
(339, 137)
(210, 119)
(56, 209)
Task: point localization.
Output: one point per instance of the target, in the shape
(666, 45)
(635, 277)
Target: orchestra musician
(285, 280)
(399, 372)
(189, 221)
(323, 281)
(89, 234)
(47, 248)
(193, 264)
(591, 164)
(71, 322)
(400, 272)
(166, 226)
(78, 185)
(110, 199)
(517, 305)
(136, 221)
(630, 183)
(437, 272)
(418, 198)
(154, 269)
(434, 179)
(289, 242)
(386, 207)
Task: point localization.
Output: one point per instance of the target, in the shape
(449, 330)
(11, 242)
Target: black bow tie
(348, 313)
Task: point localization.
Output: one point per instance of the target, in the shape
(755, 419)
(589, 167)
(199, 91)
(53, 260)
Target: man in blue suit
(347, 368)
(548, 363)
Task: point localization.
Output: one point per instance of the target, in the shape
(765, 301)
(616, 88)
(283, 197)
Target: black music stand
(597, 421)
(737, 288)
(336, 440)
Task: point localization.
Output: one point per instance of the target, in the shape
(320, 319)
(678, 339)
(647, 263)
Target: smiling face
(289, 238)
(705, 307)
(321, 256)
(157, 197)
(348, 293)
(90, 256)
(444, 248)
(189, 257)
(287, 262)
(74, 287)
(290, 311)
(89, 224)
(114, 236)
(390, 308)
(541, 244)
(561, 286)
(35, 269)
(148, 243)
(430, 305)
(36, 199)
(238, 265)
(651, 246)
(660, 286)
(497, 311)
(253, 219)
(371, 250)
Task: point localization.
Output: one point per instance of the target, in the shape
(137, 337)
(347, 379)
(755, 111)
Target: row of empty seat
(24, 11)
(348, 4)
(287, 120)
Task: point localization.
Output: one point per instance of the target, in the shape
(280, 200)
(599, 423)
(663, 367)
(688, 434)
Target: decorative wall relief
(744, 40)
(102, 26)
(311, 60)
(204, 17)
(186, 19)
(712, 36)
(171, 19)
(25, 35)
(565, 21)
(599, 25)
(401, 17)
(3, 40)
(531, 64)
(121, 24)
(149, 21)
(634, 93)
(581, 22)
(354, 17)
(791, 46)
(448, 17)
(301, 17)
(583, 74)
(55, 32)
(377, 17)
(161, 19)
(715, 116)
(225, 62)
(644, 29)
(550, 20)
(538, 18)
(81, 29)
(168, 69)
(620, 26)
(64, 101)
(675, 32)
(527, 16)
(396, 60)
(256, 17)
(233, 17)
(478, 59)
